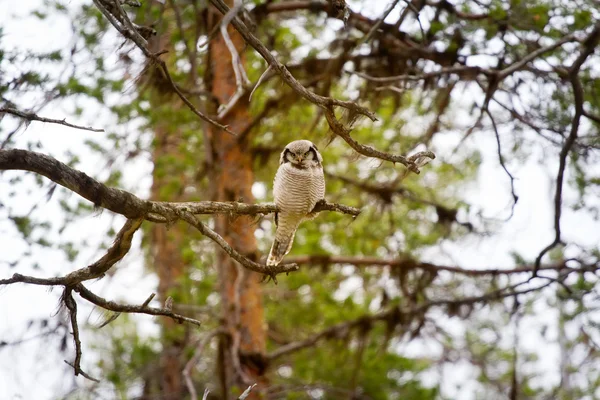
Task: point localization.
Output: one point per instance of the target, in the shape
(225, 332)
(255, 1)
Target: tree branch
(116, 200)
(71, 305)
(34, 117)
(589, 46)
(128, 308)
(410, 264)
(325, 103)
(137, 210)
(118, 18)
(271, 271)
(127, 204)
(117, 251)
(396, 316)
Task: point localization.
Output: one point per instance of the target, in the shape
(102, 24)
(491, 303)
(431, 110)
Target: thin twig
(112, 306)
(148, 300)
(503, 165)
(260, 80)
(411, 264)
(34, 117)
(247, 392)
(110, 319)
(378, 23)
(71, 305)
(187, 370)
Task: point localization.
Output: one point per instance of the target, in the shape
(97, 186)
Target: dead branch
(271, 271)
(461, 71)
(114, 13)
(588, 47)
(411, 264)
(71, 305)
(115, 200)
(29, 116)
(241, 79)
(325, 103)
(128, 308)
(117, 251)
(503, 164)
(127, 204)
(378, 23)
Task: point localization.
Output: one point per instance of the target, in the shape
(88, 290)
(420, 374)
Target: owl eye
(288, 156)
(306, 154)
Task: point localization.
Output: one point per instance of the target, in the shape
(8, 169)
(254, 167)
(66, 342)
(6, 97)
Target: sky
(35, 369)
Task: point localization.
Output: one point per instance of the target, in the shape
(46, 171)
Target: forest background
(474, 278)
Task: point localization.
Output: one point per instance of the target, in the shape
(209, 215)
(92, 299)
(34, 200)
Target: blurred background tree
(382, 306)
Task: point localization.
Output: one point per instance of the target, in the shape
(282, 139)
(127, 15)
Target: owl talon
(267, 277)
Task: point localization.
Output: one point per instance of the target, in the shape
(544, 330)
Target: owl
(298, 185)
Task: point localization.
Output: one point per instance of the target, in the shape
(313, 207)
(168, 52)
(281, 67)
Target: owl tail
(281, 246)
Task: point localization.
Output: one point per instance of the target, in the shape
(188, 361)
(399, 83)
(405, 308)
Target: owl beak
(300, 159)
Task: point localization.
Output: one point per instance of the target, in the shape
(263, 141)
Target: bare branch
(71, 305)
(117, 251)
(241, 79)
(148, 300)
(271, 271)
(461, 71)
(127, 308)
(411, 264)
(533, 55)
(18, 278)
(34, 117)
(503, 164)
(110, 319)
(246, 393)
(344, 133)
(260, 80)
(115, 200)
(378, 23)
(127, 204)
(119, 19)
(588, 47)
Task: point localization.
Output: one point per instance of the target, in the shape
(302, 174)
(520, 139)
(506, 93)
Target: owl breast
(296, 191)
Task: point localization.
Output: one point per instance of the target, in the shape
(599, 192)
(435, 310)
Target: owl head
(301, 154)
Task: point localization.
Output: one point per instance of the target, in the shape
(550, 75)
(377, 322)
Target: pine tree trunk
(167, 243)
(241, 353)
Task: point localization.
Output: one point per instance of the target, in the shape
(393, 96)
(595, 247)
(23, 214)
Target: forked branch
(327, 104)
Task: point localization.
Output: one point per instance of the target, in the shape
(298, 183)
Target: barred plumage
(298, 185)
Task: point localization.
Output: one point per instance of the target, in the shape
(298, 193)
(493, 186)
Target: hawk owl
(298, 185)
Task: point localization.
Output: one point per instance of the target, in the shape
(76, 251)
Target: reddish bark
(166, 249)
(167, 243)
(232, 178)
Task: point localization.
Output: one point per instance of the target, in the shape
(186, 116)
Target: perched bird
(298, 185)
